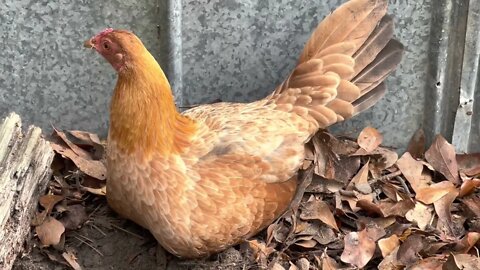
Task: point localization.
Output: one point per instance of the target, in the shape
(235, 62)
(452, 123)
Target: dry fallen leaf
(76, 149)
(306, 242)
(330, 164)
(277, 266)
(260, 251)
(84, 138)
(468, 242)
(408, 252)
(74, 217)
(416, 146)
(442, 208)
(302, 264)
(382, 158)
(94, 168)
(390, 262)
(293, 266)
(370, 207)
(50, 232)
(322, 185)
(324, 158)
(71, 259)
(316, 209)
(442, 157)
(102, 191)
(473, 204)
(431, 263)
(462, 261)
(374, 231)
(390, 190)
(369, 139)
(325, 235)
(342, 146)
(328, 263)
(412, 170)
(47, 202)
(360, 181)
(359, 248)
(421, 215)
(345, 168)
(435, 192)
(468, 187)
(277, 231)
(380, 222)
(387, 208)
(85, 161)
(399, 208)
(388, 245)
(469, 164)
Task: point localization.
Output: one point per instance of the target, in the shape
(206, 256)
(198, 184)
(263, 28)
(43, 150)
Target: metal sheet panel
(46, 74)
(466, 133)
(445, 66)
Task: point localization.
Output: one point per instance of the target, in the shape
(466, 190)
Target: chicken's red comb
(104, 32)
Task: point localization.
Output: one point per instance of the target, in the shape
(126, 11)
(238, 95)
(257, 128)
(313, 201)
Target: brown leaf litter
(359, 206)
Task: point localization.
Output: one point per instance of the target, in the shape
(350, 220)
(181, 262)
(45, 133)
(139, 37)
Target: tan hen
(217, 174)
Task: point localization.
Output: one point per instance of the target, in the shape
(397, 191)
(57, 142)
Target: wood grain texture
(25, 170)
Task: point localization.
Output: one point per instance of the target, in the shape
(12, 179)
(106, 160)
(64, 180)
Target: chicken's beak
(89, 44)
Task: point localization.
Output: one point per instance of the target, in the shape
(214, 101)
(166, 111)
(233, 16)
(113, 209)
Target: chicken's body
(236, 175)
(208, 178)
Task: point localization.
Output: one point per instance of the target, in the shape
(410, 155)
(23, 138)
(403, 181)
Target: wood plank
(25, 160)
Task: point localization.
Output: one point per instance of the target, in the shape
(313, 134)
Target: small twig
(305, 181)
(404, 185)
(128, 232)
(348, 193)
(98, 229)
(94, 211)
(348, 221)
(89, 245)
(135, 255)
(390, 176)
(84, 237)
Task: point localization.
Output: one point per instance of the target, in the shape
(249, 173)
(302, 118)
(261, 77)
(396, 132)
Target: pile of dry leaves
(365, 207)
(79, 173)
(359, 205)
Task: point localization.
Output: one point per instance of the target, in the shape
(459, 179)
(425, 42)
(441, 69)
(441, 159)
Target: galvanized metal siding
(466, 132)
(45, 73)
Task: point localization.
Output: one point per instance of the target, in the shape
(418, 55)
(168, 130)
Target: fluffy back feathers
(341, 70)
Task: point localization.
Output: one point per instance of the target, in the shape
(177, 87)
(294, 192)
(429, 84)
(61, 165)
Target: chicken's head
(117, 46)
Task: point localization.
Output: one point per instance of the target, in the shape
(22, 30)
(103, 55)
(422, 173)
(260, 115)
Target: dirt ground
(107, 241)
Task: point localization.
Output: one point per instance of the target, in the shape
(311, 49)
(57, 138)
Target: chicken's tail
(341, 70)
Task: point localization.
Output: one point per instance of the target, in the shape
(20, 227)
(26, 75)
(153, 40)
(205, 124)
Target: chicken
(217, 174)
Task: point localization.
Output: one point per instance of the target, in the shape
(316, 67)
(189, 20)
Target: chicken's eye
(106, 46)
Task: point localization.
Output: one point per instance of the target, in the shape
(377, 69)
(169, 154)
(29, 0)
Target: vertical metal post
(463, 127)
(170, 39)
(446, 52)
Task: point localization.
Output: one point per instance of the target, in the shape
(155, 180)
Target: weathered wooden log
(25, 161)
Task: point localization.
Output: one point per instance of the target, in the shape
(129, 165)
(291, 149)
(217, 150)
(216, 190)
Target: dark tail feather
(369, 99)
(370, 79)
(382, 34)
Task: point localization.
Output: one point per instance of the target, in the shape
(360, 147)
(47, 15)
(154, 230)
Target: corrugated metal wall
(45, 73)
(235, 50)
